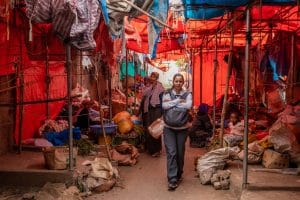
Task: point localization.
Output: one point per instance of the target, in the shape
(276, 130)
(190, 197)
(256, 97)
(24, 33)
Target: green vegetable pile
(85, 146)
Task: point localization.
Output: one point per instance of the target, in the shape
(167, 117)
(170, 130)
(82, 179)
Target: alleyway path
(147, 181)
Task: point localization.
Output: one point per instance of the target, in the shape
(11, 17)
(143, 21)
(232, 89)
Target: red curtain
(208, 77)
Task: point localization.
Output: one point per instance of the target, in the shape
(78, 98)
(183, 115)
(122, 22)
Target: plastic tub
(109, 129)
(137, 122)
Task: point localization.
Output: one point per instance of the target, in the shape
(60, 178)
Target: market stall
(79, 78)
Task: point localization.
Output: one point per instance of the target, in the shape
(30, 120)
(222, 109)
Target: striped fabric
(88, 15)
(63, 20)
(73, 20)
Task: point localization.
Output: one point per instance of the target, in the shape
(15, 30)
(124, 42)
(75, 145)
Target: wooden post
(101, 117)
(227, 83)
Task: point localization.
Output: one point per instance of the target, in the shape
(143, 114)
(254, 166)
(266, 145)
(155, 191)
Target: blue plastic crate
(109, 129)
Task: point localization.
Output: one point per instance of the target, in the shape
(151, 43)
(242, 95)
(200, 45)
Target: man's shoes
(172, 186)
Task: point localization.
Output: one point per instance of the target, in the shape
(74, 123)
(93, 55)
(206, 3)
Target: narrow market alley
(149, 100)
(149, 182)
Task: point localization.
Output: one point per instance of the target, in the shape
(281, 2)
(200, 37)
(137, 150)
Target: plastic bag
(255, 153)
(101, 168)
(276, 102)
(156, 128)
(216, 159)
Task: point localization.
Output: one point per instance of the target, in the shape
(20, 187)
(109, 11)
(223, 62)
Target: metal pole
(20, 82)
(7, 104)
(193, 71)
(293, 80)
(69, 79)
(21, 107)
(227, 83)
(246, 96)
(126, 87)
(201, 75)
(109, 94)
(134, 81)
(215, 84)
(47, 81)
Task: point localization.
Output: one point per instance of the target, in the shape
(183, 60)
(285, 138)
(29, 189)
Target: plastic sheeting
(35, 90)
(17, 52)
(159, 9)
(131, 70)
(207, 9)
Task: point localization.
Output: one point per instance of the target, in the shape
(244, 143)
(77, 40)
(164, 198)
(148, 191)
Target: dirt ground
(147, 180)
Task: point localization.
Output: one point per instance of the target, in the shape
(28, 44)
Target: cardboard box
(275, 160)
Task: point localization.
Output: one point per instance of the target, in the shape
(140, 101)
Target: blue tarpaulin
(204, 9)
(159, 9)
(61, 138)
(131, 71)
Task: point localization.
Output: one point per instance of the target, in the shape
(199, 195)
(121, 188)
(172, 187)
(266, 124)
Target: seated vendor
(201, 129)
(87, 115)
(236, 130)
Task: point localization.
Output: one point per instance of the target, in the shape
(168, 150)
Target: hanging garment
(86, 22)
(115, 11)
(73, 21)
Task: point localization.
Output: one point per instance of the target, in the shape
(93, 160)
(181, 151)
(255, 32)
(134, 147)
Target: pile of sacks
(98, 176)
(210, 167)
(125, 154)
(221, 180)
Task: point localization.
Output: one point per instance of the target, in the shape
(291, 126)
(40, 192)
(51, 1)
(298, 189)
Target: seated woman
(201, 129)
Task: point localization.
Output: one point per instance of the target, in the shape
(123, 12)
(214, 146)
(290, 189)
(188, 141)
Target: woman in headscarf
(151, 111)
(201, 129)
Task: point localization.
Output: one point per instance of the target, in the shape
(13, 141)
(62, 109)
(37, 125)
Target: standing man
(151, 110)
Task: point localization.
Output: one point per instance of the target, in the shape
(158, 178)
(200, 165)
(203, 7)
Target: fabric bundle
(115, 11)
